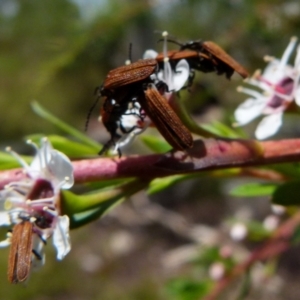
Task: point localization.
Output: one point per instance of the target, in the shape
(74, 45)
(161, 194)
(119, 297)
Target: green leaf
(42, 112)
(156, 144)
(83, 209)
(287, 194)
(207, 256)
(69, 147)
(291, 170)
(188, 289)
(221, 129)
(73, 203)
(256, 231)
(83, 218)
(86, 208)
(254, 189)
(296, 236)
(7, 161)
(111, 183)
(188, 121)
(161, 184)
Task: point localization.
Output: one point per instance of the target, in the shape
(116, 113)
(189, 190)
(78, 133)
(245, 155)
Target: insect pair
(137, 85)
(134, 90)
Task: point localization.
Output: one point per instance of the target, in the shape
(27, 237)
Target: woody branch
(208, 154)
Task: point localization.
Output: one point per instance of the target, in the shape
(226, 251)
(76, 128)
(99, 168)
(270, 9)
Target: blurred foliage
(254, 189)
(58, 51)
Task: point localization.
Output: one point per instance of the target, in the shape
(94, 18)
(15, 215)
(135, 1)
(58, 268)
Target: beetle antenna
(129, 60)
(91, 109)
(170, 41)
(172, 38)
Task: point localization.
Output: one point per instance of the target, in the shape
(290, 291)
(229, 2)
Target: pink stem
(207, 154)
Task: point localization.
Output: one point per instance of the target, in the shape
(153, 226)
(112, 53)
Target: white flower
(37, 200)
(174, 77)
(216, 271)
(271, 222)
(279, 85)
(238, 232)
(278, 209)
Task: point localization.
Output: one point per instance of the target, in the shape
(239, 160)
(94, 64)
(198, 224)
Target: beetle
(128, 74)
(211, 57)
(136, 82)
(121, 86)
(22, 247)
(119, 104)
(165, 119)
(224, 62)
(19, 259)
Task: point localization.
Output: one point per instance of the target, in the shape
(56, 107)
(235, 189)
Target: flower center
(282, 92)
(42, 189)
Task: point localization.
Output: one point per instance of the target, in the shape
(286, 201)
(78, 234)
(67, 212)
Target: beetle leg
(37, 255)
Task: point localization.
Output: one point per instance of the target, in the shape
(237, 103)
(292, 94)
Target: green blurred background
(57, 52)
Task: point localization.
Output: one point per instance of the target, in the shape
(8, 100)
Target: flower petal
(5, 219)
(272, 73)
(40, 160)
(150, 54)
(249, 110)
(4, 243)
(61, 238)
(268, 126)
(3, 197)
(181, 75)
(277, 69)
(50, 162)
(297, 96)
(288, 52)
(61, 168)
